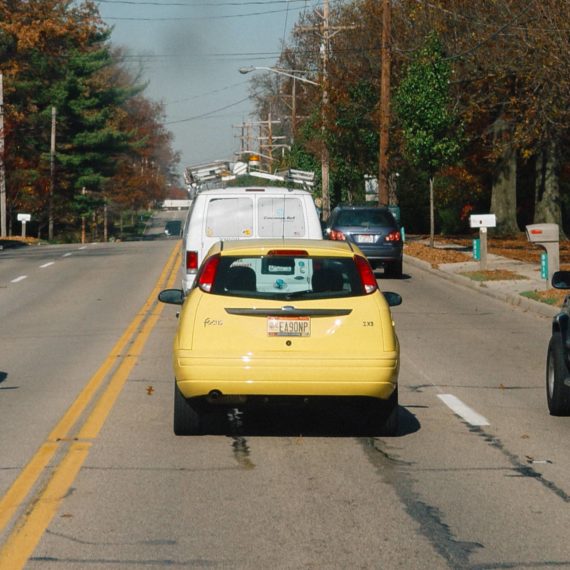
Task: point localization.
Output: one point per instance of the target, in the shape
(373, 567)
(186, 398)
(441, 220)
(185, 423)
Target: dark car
(173, 228)
(558, 360)
(374, 230)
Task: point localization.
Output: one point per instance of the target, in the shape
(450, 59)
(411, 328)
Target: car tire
(383, 418)
(394, 269)
(186, 415)
(557, 392)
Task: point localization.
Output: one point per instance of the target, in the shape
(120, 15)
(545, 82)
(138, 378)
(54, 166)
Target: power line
(207, 94)
(203, 5)
(190, 18)
(492, 36)
(199, 55)
(208, 113)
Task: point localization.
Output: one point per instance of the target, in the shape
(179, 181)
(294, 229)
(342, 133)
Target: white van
(244, 213)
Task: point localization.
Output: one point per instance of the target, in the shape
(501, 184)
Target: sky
(191, 52)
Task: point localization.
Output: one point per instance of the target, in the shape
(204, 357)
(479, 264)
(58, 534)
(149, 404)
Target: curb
(510, 298)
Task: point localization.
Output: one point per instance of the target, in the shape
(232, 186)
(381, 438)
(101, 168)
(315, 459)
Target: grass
(493, 275)
(552, 297)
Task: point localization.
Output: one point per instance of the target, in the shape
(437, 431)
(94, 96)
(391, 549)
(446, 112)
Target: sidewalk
(507, 290)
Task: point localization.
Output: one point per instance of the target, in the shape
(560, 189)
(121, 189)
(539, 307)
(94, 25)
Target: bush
(450, 222)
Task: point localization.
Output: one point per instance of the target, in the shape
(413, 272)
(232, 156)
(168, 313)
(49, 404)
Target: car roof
(313, 247)
(349, 207)
(277, 190)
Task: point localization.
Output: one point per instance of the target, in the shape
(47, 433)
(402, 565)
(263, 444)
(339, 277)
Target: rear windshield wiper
(296, 294)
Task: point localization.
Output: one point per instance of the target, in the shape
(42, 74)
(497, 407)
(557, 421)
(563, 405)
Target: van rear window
(230, 218)
(281, 217)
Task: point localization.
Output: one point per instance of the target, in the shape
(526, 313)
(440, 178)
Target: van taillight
(191, 260)
(366, 274)
(394, 236)
(207, 273)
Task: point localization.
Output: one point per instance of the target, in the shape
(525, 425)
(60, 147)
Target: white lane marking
(47, 264)
(67, 254)
(463, 410)
(18, 279)
(83, 247)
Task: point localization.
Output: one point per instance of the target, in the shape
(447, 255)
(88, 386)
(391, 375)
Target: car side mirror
(561, 280)
(394, 299)
(171, 296)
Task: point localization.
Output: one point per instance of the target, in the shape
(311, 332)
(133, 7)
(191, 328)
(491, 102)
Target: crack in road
(523, 469)
(395, 472)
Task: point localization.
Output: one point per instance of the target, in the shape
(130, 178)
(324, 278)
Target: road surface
(91, 475)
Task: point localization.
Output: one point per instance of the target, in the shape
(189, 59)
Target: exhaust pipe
(214, 395)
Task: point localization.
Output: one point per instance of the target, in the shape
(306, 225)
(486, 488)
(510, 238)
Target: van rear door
(227, 218)
(281, 217)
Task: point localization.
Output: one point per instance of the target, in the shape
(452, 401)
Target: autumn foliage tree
(509, 85)
(55, 54)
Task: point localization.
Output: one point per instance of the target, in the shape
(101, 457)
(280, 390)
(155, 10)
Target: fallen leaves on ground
(457, 249)
(435, 255)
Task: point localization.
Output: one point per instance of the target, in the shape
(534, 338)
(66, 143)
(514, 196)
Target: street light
(324, 153)
(286, 73)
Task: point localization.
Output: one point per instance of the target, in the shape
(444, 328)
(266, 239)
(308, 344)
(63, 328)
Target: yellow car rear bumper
(374, 378)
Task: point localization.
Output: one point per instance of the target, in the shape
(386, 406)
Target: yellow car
(285, 319)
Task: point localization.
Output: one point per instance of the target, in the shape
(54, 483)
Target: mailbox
(24, 218)
(546, 236)
(483, 221)
(543, 233)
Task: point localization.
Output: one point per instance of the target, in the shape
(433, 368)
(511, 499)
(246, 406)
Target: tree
(353, 140)
(87, 103)
(511, 80)
(35, 39)
(56, 53)
(431, 131)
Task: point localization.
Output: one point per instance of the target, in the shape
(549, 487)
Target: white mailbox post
(483, 221)
(24, 218)
(546, 236)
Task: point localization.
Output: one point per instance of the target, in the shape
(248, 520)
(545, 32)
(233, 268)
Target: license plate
(289, 326)
(365, 239)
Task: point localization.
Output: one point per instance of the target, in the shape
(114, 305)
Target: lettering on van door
(281, 217)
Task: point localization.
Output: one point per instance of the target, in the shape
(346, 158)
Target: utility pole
(386, 56)
(265, 142)
(270, 139)
(326, 36)
(83, 190)
(294, 111)
(246, 137)
(325, 159)
(3, 232)
(51, 175)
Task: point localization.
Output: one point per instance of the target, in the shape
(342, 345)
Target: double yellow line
(29, 529)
